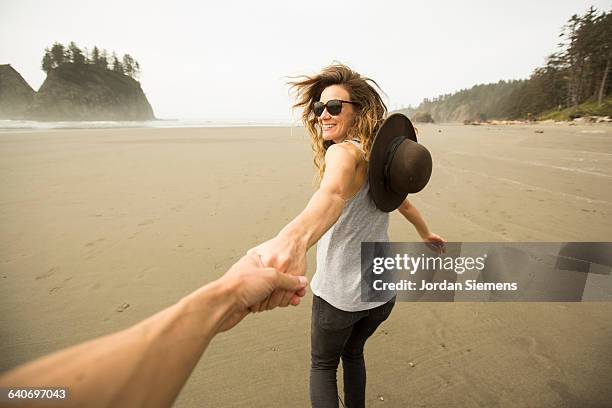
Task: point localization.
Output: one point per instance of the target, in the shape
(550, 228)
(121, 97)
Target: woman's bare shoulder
(345, 153)
(353, 149)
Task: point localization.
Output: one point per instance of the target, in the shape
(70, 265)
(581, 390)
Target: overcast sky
(227, 59)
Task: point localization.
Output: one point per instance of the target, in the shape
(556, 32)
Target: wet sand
(101, 228)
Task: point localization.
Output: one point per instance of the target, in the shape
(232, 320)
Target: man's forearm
(145, 365)
(321, 212)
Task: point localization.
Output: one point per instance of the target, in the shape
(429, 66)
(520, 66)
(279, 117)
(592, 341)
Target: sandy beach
(102, 228)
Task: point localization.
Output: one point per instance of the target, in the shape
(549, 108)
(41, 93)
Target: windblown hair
(371, 110)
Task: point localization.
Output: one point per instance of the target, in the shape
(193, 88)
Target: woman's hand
(286, 255)
(251, 283)
(435, 242)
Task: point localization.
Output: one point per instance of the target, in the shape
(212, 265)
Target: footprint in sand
(144, 272)
(56, 288)
(92, 243)
(533, 349)
(45, 275)
(499, 227)
(122, 307)
(92, 250)
(440, 332)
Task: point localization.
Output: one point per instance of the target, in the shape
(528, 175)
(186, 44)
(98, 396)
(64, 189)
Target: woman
(342, 112)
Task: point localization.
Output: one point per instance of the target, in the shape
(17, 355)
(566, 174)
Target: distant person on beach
(146, 365)
(342, 112)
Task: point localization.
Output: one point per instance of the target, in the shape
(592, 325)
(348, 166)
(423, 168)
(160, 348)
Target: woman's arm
(147, 364)
(287, 251)
(413, 215)
(326, 204)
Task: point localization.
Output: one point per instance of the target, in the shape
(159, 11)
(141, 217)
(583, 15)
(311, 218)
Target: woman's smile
(328, 128)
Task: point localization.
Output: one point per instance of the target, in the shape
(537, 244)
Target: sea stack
(15, 94)
(89, 92)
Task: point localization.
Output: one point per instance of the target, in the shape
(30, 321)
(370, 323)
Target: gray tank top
(338, 276)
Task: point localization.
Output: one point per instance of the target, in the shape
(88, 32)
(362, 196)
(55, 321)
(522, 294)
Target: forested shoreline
(574, 82)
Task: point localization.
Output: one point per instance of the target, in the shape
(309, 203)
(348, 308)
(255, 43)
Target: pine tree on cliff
(75, 54)
(103, 59)
(58, 55)
(587, 55)
(95, 55)
(54, 57)
(130, 66)
(117, 66)
(604, 51)
(47, 61)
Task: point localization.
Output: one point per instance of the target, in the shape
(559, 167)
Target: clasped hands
(253, 286)
(286, 256)
(268, 276)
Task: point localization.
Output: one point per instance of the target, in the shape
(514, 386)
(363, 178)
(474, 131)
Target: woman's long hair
(369, 114)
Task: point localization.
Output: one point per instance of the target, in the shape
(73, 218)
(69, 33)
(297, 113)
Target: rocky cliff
(15, 94)
(88, 92)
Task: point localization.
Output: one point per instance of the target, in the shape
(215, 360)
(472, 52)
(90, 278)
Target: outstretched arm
(147, 364)
(413, 215)
(287, 251)
(326, 204)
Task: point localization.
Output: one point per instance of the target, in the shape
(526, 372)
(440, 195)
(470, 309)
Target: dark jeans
(338, 334)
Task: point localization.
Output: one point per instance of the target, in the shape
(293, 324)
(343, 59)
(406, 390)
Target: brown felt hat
(398, 164)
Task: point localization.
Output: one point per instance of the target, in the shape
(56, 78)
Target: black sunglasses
(333, 106)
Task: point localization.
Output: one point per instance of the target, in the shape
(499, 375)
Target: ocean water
(30, 125)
